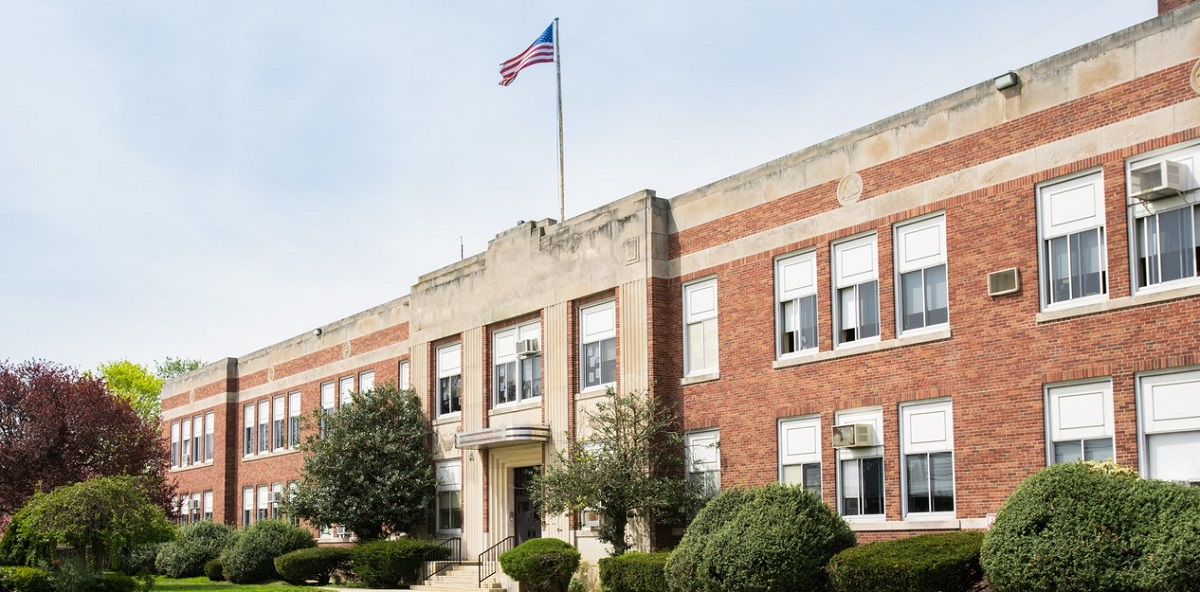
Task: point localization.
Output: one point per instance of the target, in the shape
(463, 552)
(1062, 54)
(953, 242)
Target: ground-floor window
(704, 460)
(1170, 413)
(800, 452)
(449, 495)
(860, 463)
(1079, 418)
(927, 445)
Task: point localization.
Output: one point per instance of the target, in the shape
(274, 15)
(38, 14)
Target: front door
(526, 523)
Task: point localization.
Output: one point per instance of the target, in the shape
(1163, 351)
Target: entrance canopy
(502, 436)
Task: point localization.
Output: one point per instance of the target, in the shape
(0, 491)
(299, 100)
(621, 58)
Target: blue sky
(204, 179)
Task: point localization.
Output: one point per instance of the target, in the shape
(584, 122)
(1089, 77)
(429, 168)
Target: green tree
(372, 470)
(630, 466)
(100, 518)
(136, 385)
(172, 367)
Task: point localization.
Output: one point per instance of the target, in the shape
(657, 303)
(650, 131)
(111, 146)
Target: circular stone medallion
(849, 189)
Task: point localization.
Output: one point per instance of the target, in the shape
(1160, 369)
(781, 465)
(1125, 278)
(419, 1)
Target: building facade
(908, 319)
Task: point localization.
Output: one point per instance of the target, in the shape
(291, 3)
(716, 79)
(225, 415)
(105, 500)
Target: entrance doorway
(526, 523)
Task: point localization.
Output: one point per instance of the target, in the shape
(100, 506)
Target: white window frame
(366, 381)
(175, 447)
(1079, 412)
(247, 506)
(345, 390)
(449, 479)
(1139, 210)
(1169, 408)
(295, 420)
(185, 454)
(405, 374)
(278, 423)
(800, 446)
(504, 353)
(1067, 217)
(796, 285)
(920, 247)
(703, 459)
(264, 503)
(926, 429)
(249, 429)
(874, 417)
(196, 507)
(856, 268)
(198, 439)
(449, 367)
(210, 426)
(276, 499)
(264, 426)
(208, 505)
(597, 326)
(328, 403)
(700, 327)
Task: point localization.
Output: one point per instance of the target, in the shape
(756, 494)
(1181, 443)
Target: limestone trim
(1124, 302)
(870, 348)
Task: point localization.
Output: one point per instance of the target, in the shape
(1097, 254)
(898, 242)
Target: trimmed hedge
(115, 582)
(541, 564)
(196, 545)
(314, 564)
(24, 579)
(774, 538)
(634, 572)
(251, 557)
(1092, 527)
(215, 570)
(388, 564)
(945, 562)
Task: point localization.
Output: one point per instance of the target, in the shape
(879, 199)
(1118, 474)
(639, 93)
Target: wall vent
(1005, 281)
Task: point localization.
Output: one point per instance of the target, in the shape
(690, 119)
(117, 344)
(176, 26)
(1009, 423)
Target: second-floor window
(517, 364)
(700, 327)
(1071, 222)
(922, 297)
(597, 346)
(449, 379)
(856, 290)
(796, 293)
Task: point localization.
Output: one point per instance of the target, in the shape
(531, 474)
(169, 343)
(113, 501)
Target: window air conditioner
(1160, 179)
(853, 435)
(1005, 281)
(527, 347)
(195, 504)
(277, 497)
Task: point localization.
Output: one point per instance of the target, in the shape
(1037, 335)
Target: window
(796, 293)
(927, 446)
(294, 421)
(517, 364)
(345, 389)
(1170, 423)
(278, 418)
(856, 290)
(704, 460)
(405, 376)
(922, 299)
(1071, 216)
(1165, 229)
(449, 495)
(186, 456)
(326, 405)
(366, 381)
(449, 373)
(597, 346)
(276, 499)
(247, 506)
(210, 424)
(293, 487)
(248, 430)
(860, 469)
(208, 505)
(264, 502)
(195, 507)
(264, 425)
(1080, 420)
(174, 444)
(700, 327)
(800, 453)
(197, 439)
(183, 509)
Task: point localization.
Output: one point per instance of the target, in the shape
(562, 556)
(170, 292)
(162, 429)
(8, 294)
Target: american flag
(541, 52)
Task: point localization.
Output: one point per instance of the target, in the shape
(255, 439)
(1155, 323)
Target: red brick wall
(1165, 6)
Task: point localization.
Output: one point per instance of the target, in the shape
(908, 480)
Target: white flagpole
(562, 199)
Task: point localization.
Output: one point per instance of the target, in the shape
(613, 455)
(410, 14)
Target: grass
(203, 584)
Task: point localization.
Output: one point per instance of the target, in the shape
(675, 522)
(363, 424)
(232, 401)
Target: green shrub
(774, 538)
(196, 545)
(138, 559)
(634, 572)
(215, 570)
(314, 564)
(115, 582)
(251, 557)
(1088, 527)
(541, 565)
(388, 564)
(947, 562)
(24, 579)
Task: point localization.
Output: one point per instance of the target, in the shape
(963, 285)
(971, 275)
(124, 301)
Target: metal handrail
(491, 557)
(431, 566)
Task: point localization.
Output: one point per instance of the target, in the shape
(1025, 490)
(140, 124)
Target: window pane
(808, 322)
(531, 377)
(1174, 456)
(941, 480)
(1147, 246)
(591, 364)
(937, 306)
(1060, 269)
(872, 478)
(847, 314)
(868, 307)
(608, 360)
(789, 341)
(851, 481)
(1100, 449)
(1086, 276)
(506, 388)
(1175, 234)
(696, 346)
(912, 303)
(1067, 452)
(792, 475)
(918, 482)
(812, 478)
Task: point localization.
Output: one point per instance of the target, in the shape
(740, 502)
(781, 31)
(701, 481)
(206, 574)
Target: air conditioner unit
(527, 347)
(195, 504)
(277, 497)
(1160, 179)
(1005, 281)
(852, 435)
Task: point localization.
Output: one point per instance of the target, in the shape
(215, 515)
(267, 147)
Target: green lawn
(204, 584)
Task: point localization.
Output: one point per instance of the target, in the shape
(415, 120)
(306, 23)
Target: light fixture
(1007, 80)
(317, 332)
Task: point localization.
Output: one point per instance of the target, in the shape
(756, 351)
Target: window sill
(449, 418)
(698, 378)
(192, 467)
(515, 407)
(594, 392)
(918, 524)
(878, 346)
(1147, 296)
(276, 454)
